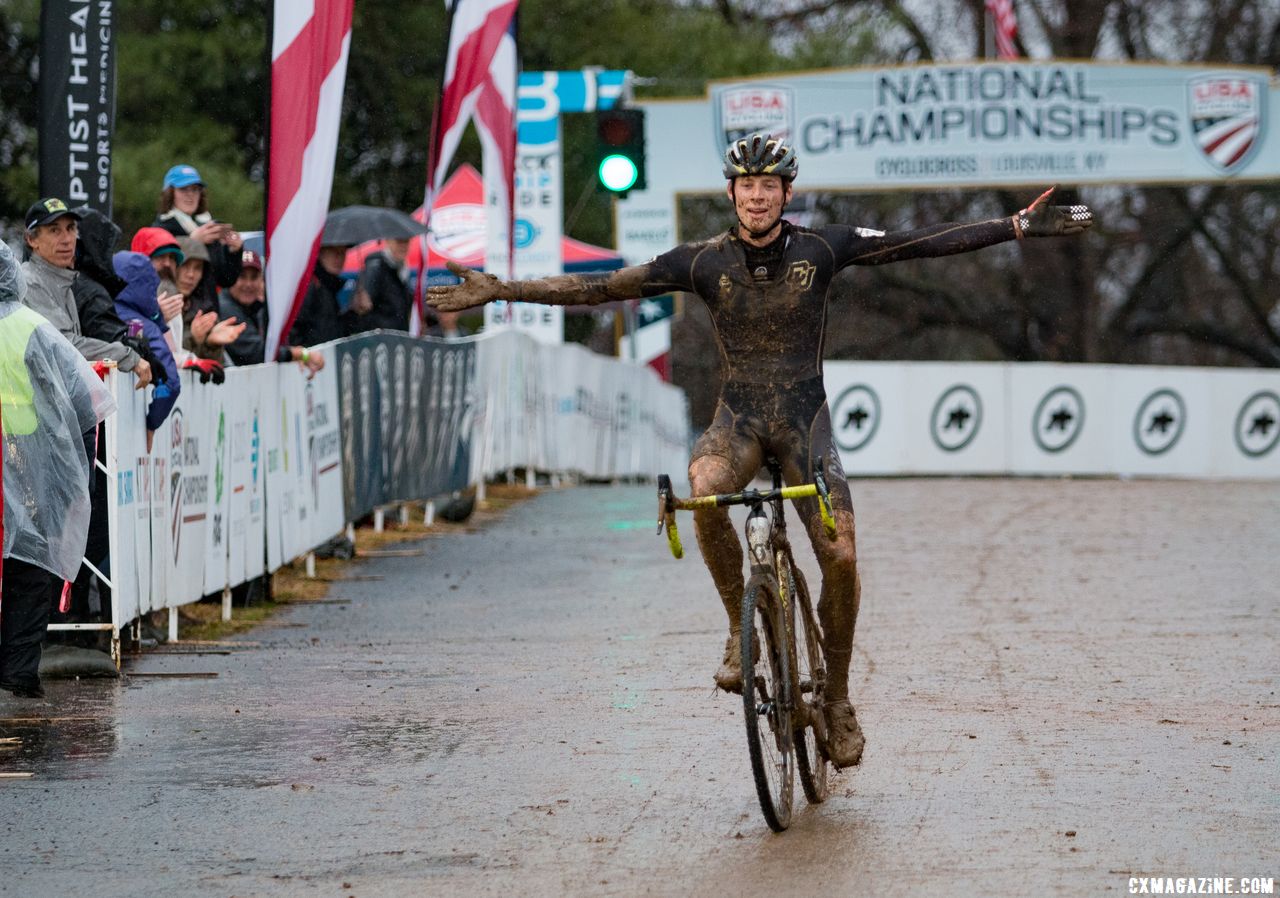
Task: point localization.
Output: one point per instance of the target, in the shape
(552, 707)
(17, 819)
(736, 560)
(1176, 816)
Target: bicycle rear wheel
(811, 760)
(766, 699)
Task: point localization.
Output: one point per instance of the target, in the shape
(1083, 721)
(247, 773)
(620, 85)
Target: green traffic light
(618, 172)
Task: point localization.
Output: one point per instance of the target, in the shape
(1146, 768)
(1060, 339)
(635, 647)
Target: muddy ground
(1063, 684)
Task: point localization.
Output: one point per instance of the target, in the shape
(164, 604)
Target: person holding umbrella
(321, 317)
(383, 299)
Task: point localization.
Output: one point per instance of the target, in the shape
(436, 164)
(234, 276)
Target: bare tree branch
(1207, 332)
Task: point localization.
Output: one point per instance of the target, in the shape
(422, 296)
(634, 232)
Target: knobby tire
(766, 700)
(811, 760)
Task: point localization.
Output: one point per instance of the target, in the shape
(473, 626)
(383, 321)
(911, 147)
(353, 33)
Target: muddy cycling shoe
(729, 676)
(844, 736)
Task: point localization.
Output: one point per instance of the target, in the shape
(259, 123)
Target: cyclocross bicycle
(783, 673)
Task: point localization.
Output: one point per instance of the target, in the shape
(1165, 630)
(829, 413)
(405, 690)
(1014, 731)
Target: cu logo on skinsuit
(855, 416)
(956, 418)
(1257, 427)
(1159, 423)
(1058, 420)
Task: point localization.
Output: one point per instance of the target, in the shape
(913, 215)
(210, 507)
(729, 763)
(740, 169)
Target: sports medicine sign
(973, 125)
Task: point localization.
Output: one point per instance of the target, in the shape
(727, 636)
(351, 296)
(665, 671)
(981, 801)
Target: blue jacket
(138, 300)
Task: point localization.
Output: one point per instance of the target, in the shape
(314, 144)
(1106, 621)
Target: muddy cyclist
(765, 282)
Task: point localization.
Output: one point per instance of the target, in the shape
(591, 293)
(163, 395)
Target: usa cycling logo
(1227, 117)
(742, 109)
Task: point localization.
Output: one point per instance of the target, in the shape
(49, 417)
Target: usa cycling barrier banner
(1043, 419)
(406, 418)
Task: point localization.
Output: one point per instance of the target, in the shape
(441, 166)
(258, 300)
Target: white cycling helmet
(760, 154)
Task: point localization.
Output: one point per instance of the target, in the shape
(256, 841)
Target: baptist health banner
(1025, 124)
(239, 479)
(565, 408)
(77, 101)
(1042, 419)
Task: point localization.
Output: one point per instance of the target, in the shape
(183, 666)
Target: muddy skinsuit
(769, 309)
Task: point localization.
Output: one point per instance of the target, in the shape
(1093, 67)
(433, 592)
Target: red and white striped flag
(479, 79)
(1005, 22)
(496, 124)
(310, 42)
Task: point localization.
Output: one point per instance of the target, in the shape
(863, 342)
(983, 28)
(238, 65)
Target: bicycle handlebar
(669, 503)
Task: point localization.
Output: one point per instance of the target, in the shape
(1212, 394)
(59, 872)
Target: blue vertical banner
(77, 101)
(541, 98)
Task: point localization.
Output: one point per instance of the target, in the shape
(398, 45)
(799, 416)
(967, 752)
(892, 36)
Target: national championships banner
(966, 125)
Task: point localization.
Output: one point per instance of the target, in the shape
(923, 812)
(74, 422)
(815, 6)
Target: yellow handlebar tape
(673, 537)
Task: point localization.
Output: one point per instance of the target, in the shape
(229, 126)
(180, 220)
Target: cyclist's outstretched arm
(862, 247)
(477, 288)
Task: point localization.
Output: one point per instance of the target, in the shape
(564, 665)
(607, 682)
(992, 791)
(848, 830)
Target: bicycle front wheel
(766, 699)
(811, 758)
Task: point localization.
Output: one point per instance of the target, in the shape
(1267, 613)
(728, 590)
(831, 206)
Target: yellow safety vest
(16, 392)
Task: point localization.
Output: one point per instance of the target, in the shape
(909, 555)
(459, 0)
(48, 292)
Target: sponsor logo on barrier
(745, 109)
(1257, 427)
(1227, 118)
(856, 417)
(175, 479)
(1159, 423)
(1058, 419)
(956, 418)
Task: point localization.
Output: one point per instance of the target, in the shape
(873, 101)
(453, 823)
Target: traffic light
(620, 150)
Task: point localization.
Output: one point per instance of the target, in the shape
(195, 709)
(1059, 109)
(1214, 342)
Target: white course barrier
(244, 477)
(566, 409)
(240, 478)
(1035, 419)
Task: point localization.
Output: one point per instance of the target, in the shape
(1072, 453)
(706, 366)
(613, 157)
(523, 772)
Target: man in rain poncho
(50, 399)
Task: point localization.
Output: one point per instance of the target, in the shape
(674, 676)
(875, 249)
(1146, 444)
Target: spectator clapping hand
(170, 305)
(207, 329)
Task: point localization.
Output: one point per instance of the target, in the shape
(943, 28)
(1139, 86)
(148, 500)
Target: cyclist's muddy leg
(725, 459)
(841, 585)
(717, 537)
(841, 594)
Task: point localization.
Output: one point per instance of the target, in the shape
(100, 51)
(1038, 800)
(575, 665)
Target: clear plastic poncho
(49, 398)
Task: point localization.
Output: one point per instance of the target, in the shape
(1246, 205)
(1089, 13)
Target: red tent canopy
(458, 233)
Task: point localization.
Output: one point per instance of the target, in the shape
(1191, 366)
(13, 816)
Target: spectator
(137, 302)
(51, 401)
(321, 318)
(51, 235)
(245, 302)
(385, 281)
(204, 335)
(184, 212)
(96, 286)
(446, 326)
(166, 255)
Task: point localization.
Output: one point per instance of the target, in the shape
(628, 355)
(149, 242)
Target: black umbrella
(351, 225)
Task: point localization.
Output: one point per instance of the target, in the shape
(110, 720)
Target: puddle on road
(53, 739)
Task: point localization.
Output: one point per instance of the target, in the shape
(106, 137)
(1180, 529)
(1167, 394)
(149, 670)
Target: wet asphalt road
(1063, 684)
